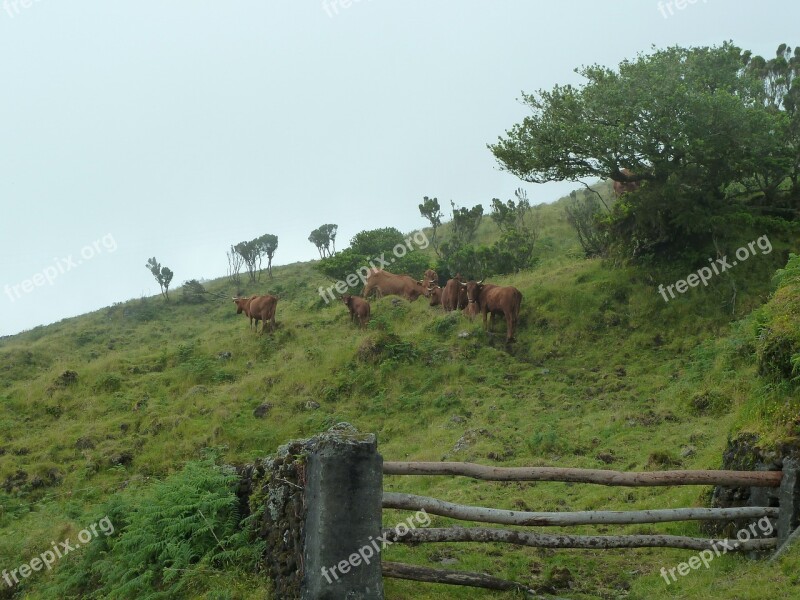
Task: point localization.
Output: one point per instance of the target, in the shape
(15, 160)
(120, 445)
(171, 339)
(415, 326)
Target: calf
(358, 307)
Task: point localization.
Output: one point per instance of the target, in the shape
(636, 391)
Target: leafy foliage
(163, 275)
(690, 124)
(324, 238)
(430, 210)
(163, 538)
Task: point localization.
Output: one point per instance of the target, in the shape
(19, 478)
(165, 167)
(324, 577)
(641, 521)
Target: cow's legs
(510, 326)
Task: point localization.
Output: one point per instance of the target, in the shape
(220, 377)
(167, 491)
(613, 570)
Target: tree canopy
(696, 126)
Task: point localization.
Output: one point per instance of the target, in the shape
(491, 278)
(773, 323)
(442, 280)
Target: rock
(84, 443)
(396, 302)
(560, 577)
(544, 372)
(457, 419)
(262, 410)
(123, 459)
(463, 334)
(198, 389)
(312, 405)
(606, 457)
(687, 451)
(224, 355)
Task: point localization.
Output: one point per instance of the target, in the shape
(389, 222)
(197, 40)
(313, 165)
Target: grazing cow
(387, 284)
(435, 294)
(623, 187)
(243, 306)
(258, 308)
(496, 300)
(358, 307)
(262, 308)
(451, 293)
(428, 279)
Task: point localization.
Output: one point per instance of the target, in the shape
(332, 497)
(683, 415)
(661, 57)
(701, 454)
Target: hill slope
(604, 374)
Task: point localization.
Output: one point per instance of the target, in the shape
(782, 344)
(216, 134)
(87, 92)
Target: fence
(330, 488)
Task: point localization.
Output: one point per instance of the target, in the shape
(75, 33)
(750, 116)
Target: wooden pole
(591, 542)
(562, 519)
(598, 476)
(430, 575)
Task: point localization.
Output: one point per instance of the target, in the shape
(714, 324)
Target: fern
(165, 537)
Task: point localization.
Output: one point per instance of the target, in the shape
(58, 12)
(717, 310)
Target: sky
(133, 129)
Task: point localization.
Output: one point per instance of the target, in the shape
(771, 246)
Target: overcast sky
(137, 128)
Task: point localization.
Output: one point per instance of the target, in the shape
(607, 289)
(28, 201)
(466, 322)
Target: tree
(268, 244)
(162, 274)
(253, 251)
(371, 243)
(780, 95)
(464, 224)
(235, 262)
(584, 215)
(430, 210)
(193, 292)
(324, 238)
(514, 250)
(251, 255)
(681, 120)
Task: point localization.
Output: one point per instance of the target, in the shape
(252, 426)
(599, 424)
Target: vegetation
(701, 128)
(324, 238)
(133, 411)
(163, 275)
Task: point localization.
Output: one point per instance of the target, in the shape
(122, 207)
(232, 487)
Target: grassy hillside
(604, 374)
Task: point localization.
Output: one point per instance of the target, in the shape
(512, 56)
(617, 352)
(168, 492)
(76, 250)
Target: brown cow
(387, 284)
(495, 300)
(451, 293)
(358, 307)
(262, 308)
(435, 294)
(428, 279)
(243, 306)
(623, 187)
(258, 308)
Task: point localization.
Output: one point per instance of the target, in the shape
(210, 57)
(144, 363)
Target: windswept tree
(162, 274)
(251, 255)
(458, 255)
(780, 95)
(253, 251)
(514, 250)
(465, 224)
(324, 238)
(268, 244)
(430, 210)
(687, 123)
(235, 262)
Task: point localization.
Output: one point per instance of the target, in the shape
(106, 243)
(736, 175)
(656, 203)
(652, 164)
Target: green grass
(602, 367)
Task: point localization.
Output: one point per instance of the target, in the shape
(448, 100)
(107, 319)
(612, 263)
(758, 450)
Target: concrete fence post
(344, 492)
(789, 495)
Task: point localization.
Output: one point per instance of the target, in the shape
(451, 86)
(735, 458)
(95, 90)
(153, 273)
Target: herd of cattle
(471, 297)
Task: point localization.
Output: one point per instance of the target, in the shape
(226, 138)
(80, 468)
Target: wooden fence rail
(599, 476)
(589, 542)
(562, 519)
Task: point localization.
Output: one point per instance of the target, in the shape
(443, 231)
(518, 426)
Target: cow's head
(430, 277)
(435, 294)
(473, 290)
(347, 299)
(240, 304)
